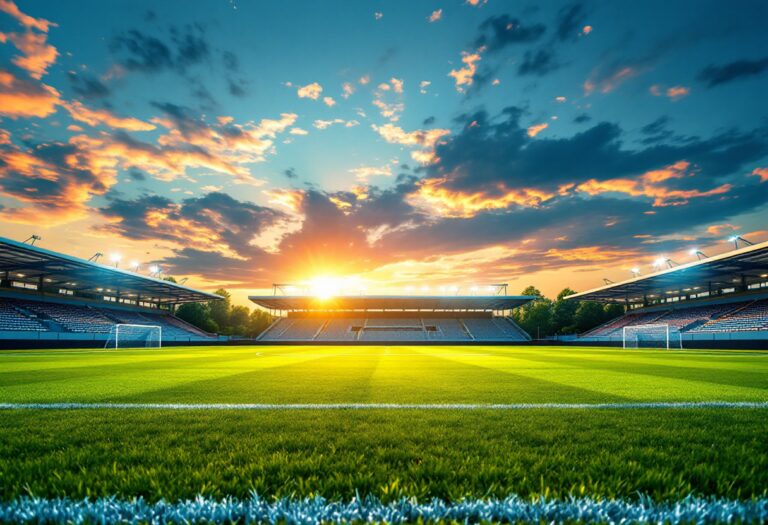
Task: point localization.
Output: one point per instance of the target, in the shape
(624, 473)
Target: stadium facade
(49, 299)
(718, 301)
(392, 319)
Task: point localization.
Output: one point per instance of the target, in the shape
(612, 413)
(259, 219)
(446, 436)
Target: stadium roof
(736, 268)
(390, 302)
(28, 263)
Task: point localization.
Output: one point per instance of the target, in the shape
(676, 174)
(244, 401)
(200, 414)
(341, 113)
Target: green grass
(399, 374)
(666, 453)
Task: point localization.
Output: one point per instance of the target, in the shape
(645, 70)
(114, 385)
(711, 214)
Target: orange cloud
(37, 56)
(465, 76)
(54, 192)
(96, 117)
(449, 203)
(23, 98)
(648, 185)
(436, 15)
(290, 199)
(762, 173)
(673, 93)
(328, 101)
(720, 229)
(586, 30)
(590, 254)
(30, 22)
(536, 129)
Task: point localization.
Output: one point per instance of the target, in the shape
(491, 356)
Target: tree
(197, 314)
(534, 317)
(220, 309)
(238, 320)
(589, 315)
(564, 313)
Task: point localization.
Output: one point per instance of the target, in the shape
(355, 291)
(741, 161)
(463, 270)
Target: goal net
(135, 336)
(652, 336)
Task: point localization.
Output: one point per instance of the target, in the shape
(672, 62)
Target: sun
(325, 287)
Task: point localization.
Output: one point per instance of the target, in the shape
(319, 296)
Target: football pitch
(391, 422)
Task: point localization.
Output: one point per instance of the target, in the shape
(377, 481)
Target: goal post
(652, 336)
(135, 336)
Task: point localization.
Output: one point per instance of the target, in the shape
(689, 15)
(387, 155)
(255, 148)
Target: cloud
(363, 173)
(762, 173)
(51, 180)
(570, 19)
(215, 222)
(298, 131)
(29, 22)
(37, 55)
(25, 98)
(649, 185)
(464, 76)
(138, 51)
(325, 124)
(96, 117)
(536, 129)
(498, 32)
(436, 15)
(88, 87)
(608, 79)
(328, 101)
(347, 89)
(426, 140)
(538, 62)
(673, 93)
(312, 91)
(713, 75)
(388, 98)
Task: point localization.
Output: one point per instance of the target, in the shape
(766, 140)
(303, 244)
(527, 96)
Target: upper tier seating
(747, 318)
(725, 317)
(13, 320)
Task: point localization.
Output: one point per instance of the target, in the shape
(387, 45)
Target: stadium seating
(41, 316)
(394, 329)
(746, 318)
(12, 319)
(741, 316)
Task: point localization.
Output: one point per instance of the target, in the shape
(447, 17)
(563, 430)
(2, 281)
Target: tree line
(541, 317)
(222, 317)
(544, 317)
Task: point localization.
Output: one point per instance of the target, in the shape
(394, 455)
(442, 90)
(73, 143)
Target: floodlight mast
(33, 239)
(735, 240)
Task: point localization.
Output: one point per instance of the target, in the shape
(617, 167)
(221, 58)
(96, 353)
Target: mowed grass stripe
(383, 406)
(381, 374)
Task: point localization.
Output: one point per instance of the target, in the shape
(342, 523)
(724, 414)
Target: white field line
(383, 406)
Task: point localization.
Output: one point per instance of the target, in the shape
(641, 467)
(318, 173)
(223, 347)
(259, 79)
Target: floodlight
(115, 258)
(698, 253)
(735, 240)
(154, 269)
(660, 261)
(135, 265)
(635, 271)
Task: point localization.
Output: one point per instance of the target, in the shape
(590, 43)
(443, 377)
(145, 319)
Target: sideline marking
(381, 406)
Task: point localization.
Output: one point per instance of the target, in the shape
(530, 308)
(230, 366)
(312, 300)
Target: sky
(395, 145)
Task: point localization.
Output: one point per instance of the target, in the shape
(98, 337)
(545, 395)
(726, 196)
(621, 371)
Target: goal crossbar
(126, 335)
(652, 336)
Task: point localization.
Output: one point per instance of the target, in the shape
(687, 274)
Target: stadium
(363, 262)
(105, 347)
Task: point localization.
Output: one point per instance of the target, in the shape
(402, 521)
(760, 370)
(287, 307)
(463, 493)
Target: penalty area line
(384, 406)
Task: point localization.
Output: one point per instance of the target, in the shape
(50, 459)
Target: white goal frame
(672, 336)
(114, 334)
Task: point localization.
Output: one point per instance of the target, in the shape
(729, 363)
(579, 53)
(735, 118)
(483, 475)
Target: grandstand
(392, 319)
(715, 299)
(52, 299)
